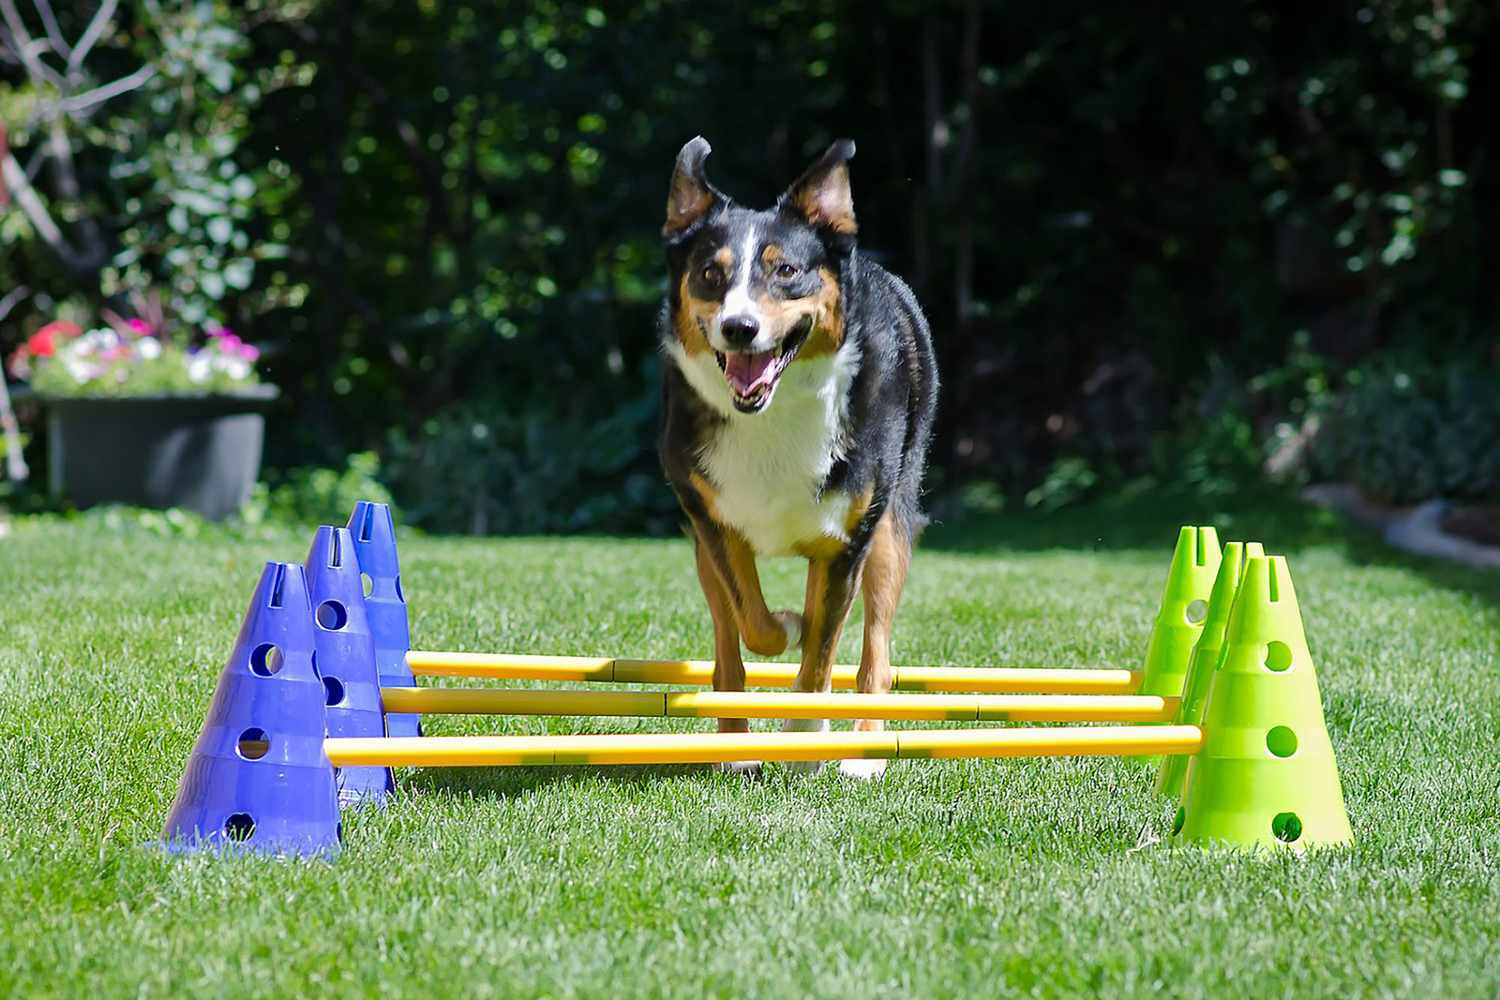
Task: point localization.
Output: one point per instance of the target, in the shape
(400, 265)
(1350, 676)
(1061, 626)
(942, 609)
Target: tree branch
(54, 33)
(124, 85)
(26, 196)
(21, 42)
(91, 34)
(15, 462)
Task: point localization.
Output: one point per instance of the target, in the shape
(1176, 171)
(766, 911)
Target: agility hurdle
(994, 680)
(318, 704)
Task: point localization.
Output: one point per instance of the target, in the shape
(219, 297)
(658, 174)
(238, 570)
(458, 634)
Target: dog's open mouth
(752, 378)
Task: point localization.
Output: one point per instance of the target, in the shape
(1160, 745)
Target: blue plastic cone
(346, 658)
(375, 544)
(258, 778)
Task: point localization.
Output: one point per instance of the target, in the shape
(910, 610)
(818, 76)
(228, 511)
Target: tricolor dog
(798, 401)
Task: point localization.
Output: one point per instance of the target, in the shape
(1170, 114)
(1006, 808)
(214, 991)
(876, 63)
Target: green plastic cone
(1266, 773)
(1205, 658)
(1184, 606)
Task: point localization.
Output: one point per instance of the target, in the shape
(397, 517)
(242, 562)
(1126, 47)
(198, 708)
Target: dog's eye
(785, 271)
(713, 275)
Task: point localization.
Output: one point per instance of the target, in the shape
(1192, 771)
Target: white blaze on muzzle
(738, 302)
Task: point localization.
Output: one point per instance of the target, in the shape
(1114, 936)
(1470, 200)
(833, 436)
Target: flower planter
(201, 453)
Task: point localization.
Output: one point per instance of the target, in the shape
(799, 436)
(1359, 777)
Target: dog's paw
(863, 770)
(744, 768)
(805, 726)
(791, 624)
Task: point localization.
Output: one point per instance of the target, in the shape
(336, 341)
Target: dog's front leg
(731, 585)
(729, 668)
(881, 582)
(733, 563)
(831, 583)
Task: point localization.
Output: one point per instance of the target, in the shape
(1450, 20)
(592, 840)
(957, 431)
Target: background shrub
(1406, 433)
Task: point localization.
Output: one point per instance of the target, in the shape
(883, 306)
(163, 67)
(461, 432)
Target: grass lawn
(946, 878)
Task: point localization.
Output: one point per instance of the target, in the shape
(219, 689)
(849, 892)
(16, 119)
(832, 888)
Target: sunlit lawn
(946, 878)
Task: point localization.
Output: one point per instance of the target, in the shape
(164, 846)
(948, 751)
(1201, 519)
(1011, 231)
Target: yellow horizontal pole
(783, 705)
(494, 701)
(1098, 741)
(694, 748)
(989, 680)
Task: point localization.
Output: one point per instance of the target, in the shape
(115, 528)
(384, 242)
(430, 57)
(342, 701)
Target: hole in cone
(366, 584)
(265, 659)
(239, 827)
(1196, 612)
(399, 595)
(333, 690)
(253, 744)
(1281, 741)
(332, 615)
(1278, 656)
(1287, 827)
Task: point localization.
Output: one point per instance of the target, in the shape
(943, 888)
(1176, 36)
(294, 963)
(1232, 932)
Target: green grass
(946, 878)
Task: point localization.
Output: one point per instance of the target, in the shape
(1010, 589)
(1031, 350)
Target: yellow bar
(1017, 680)
(1072, 707)
(693, 748)
(656, 748)
(493, 701)
(782, 705)
(988, 680)
(540, 668)
(1113, 741)
(805, 705)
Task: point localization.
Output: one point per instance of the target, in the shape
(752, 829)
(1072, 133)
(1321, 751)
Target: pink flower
(139, 327)
(249, 352)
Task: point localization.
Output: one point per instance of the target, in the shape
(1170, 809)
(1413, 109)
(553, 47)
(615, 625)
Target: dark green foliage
(1409, 433)
(546, 464)
(304, 496)
(440, 214)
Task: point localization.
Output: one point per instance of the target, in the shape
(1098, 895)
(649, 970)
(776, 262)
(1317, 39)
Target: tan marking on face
(691, 318)
(771, 255)
(781, 316)
(725, 259)
(828, 318)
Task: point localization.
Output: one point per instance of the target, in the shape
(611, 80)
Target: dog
(798, 398)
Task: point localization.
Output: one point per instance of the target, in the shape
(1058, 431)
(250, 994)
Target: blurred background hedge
(1171, 242)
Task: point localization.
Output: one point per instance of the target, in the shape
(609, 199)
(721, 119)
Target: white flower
(149, 348)
(97, 341)
(81, 371)
(200, 368)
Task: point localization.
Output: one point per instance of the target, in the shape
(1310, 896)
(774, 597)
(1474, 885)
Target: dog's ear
(691, 196)
(821, 197)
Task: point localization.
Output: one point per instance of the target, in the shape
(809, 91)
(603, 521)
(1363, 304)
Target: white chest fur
(768, 466)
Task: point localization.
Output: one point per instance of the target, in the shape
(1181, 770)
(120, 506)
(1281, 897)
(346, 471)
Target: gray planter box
(201, 453)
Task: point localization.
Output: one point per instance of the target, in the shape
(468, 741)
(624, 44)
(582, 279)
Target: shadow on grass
(1148, 520)
(510, 782)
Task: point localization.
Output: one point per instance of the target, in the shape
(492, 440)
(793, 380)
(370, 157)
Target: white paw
(805, 726)
(863, 770)
(791, 624)
(746, 768)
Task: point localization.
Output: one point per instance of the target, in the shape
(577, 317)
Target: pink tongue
(747, 371)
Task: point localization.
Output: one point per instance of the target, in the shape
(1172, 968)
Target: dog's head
(758, 289)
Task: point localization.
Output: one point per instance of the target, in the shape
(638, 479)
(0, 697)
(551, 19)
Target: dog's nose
(740, 330)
